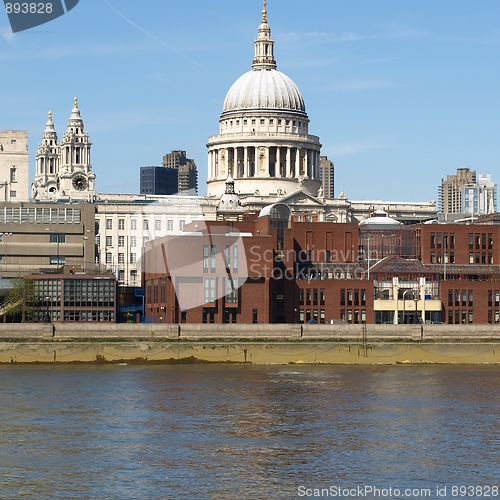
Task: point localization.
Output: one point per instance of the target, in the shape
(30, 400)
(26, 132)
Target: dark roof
(479, 269)
(393, 264)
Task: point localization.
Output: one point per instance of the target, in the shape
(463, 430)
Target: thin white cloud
(324, 37)
(6, 34)
(357, 85)
(354, 148)
(404, 34)
(58, 52)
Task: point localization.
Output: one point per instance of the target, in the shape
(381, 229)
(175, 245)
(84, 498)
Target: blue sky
(401, 93)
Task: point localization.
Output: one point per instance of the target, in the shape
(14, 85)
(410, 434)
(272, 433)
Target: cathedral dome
(264, 89)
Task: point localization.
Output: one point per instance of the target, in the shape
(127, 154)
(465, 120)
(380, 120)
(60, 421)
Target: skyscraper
(326, 175)
(465, 193)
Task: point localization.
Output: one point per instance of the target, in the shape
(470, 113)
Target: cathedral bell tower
(63, 171)
(76, 179)
(47, 164)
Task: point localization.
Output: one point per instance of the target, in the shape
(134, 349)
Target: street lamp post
(404, 303)
(47, 314)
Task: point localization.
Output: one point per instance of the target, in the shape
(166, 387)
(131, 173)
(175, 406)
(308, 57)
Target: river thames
(245, 431)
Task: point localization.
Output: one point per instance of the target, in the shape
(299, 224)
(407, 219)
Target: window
(170, 225)
(301, 296)
(228, 257)
(109, 241)
(471, 258)
(450, 298)
(133, 258)
(13, 194)
(478, 241)
(133, 277)
(245, 122)
(439, 240)
(309, 218)
(308, 296)
(133, 224)
(301, 316)
(182, 223)
(209, 290)
(58, 260)
(490, 241)
(121, 224)
(349, 297)
(322, 316)
(13, 174)
(121, 241)
(145, 239)
(109, 223)
(322, 296)
(57, 238)
(213, 257)
(262, 121)
(483, 241)
(342, 297)
(133, 241)
(315, 296)
(363, 297)
(433, 240)
(121, 258)
(471, 241)
(235, 259)
(205, 258)
(255, 316)
(109, 258)
(145, 225)
(231, 291)
(452, 240)
(157, 225)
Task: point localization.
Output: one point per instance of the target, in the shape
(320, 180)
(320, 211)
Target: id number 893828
(28, 8)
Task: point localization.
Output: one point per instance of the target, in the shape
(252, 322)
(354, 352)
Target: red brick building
(266, 269)
(274, 268)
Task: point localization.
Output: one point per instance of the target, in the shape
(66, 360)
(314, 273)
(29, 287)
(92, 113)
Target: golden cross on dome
(76, 102)
(264, 11)
(50, 116)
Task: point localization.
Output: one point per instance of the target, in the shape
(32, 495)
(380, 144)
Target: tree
(21, 299)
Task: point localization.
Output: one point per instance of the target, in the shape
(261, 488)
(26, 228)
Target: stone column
(297, 162)
(277, 167)
(246, 169)
(288, 163)
(307, 165)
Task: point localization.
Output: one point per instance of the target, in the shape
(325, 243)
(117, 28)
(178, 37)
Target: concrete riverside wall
(367, 333)
(243, 343)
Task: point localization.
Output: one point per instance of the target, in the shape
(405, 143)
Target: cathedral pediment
(302, 198)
